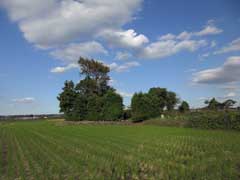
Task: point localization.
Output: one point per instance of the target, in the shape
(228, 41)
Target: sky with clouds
(190, 47)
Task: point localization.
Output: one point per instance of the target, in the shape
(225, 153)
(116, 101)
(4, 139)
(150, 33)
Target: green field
(53, 150)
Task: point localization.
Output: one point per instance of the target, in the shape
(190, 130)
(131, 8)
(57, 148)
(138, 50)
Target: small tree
(184, 107)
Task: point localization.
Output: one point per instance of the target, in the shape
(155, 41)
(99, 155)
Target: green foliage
(152, 104)
(141, 107)
(184, 107)
(94, 108)
(67, 98)
(215, 120)
(127, 114)
(92, 98)
(113, 106)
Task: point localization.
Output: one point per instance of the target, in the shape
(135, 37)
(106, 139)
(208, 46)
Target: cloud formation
(47, 23)
(25, 100)
(231, 47)
(227, 73)
(124, 67)
(62, 69)
(72, 52)
(123, 55)
(124, 39)
(164, 48)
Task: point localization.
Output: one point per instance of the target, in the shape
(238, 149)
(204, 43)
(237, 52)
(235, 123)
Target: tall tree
(92, 98)
(96, 74)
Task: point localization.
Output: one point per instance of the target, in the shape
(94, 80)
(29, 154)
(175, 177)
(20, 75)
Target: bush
(215, 120)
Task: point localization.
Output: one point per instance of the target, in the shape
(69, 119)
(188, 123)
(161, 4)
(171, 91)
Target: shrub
(215, 120)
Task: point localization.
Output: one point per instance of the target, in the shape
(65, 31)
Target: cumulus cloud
(63, 69)
(25, 100)
(123, 55)
(231, 47)
(124, 67)
(166, 48)
(52, 22)
(124, 39)
(227, 73)
(72, 52)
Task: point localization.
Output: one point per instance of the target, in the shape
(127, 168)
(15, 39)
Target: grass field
(50, 150)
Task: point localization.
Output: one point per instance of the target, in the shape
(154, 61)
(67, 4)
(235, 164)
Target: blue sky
(190, 47)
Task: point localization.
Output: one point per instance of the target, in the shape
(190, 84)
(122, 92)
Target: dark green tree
(67, 100)
(112, 106)
(213, 104)
(141, 107)
(94, 108)
(92, 98)
(171, 100)
(184, 107)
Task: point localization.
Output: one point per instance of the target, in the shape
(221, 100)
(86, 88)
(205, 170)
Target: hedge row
(214, 120)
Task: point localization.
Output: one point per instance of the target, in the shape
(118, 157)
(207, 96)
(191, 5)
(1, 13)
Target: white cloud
(26, 100)
(46, 23)
(209, 30)
(63, 69)
(231, 47)
(230, 95)
(184, 35)
(161, 49)
(168, 36)
(124, 39)
(72, 52)
(124, 67)
(227, 73)
(123, 55)
(125, 94)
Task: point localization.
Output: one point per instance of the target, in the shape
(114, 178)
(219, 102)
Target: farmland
(55, 150)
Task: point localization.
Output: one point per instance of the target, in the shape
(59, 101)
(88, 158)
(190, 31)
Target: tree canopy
(92, 98)
(153, 103)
